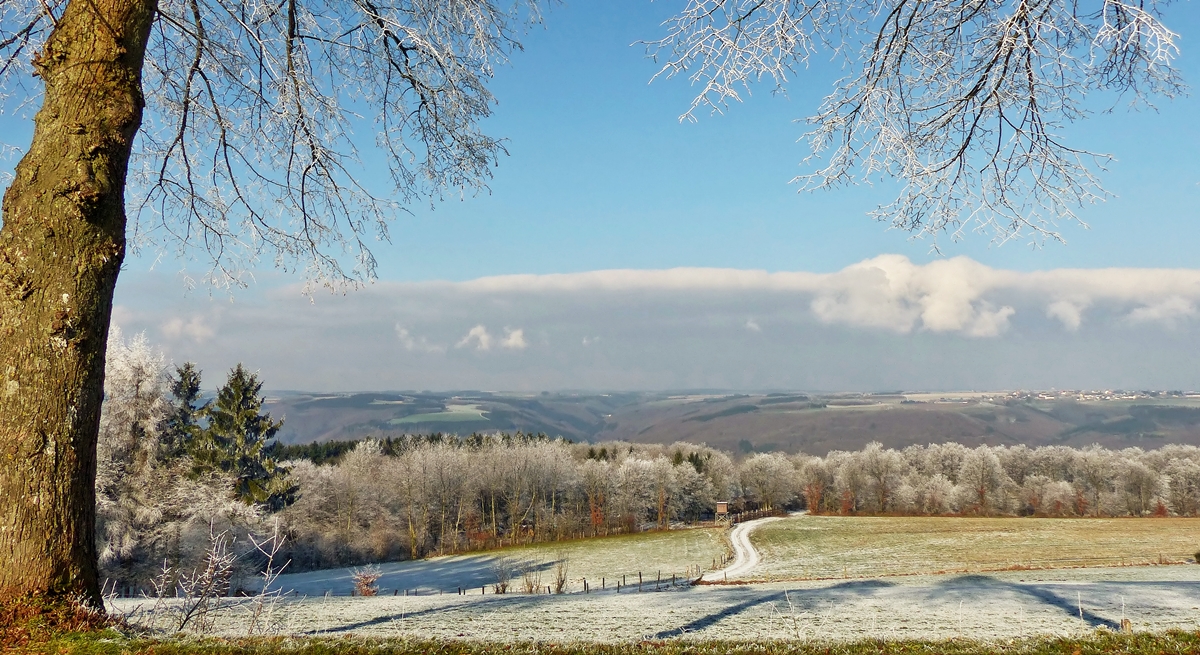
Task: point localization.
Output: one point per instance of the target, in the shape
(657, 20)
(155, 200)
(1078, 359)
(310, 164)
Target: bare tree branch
(962, 101)
(258, 111)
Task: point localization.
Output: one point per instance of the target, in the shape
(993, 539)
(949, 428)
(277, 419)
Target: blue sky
(603, 176)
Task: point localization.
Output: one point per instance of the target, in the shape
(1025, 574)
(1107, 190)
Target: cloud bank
(881, 323)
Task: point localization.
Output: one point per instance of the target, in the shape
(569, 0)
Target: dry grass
(818, 547)
(1170, 643)
(669, 552)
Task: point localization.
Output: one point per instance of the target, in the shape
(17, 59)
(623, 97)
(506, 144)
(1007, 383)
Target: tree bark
(61, 248)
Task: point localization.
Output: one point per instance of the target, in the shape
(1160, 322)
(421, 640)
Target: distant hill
(748, 423)
(323, 417)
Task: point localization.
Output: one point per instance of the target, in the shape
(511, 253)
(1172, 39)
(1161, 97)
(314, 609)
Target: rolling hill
(763, 422)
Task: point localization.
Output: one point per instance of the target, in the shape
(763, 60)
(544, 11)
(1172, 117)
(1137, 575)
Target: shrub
(365, 580)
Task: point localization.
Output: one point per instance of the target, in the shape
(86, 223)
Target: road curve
(745, 557)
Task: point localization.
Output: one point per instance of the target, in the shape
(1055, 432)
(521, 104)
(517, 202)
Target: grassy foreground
(822, 547)
(109, 643)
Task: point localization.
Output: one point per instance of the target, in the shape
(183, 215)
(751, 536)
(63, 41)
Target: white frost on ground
(989, 607)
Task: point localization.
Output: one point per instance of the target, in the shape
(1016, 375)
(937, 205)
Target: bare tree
(240, 143)
(963, 103)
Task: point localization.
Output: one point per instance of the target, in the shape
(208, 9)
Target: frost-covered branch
(259, 113)
(962, 102)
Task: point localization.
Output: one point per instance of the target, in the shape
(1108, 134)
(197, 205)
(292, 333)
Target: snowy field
(886, 600)
(988, 607)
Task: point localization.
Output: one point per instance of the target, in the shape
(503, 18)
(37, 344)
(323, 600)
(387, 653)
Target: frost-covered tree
(936, 495)
(150, 510)
(769, 479)
(1094, 471)
(945, 459)
(1017, 461)
(816, 485)
(128, 463)
(1184, 485)
(982, 477)
(634, 498)
(596, 479)
(884, 468)
(850, 483)
(1140, 486)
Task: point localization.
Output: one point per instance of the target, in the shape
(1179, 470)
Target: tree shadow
(842, 591)
(443, 575)
(1055, 595)
(509, 600)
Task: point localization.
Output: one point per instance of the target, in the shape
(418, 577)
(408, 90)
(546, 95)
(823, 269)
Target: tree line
(173, 469)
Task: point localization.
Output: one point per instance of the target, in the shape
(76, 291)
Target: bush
(365, 580)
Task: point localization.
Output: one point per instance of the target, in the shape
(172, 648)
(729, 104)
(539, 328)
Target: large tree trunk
(61, 247)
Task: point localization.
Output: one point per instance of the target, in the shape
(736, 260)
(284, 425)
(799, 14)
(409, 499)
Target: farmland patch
(823, 547)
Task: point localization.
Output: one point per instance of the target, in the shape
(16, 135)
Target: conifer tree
(183, 424)
(235, 441)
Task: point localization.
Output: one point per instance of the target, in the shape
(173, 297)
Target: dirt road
(745, 556)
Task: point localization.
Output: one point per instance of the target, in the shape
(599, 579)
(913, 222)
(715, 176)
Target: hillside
(747, 423)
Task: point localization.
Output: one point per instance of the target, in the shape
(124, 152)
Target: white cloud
(890, 292)
(1069, 313)
(1169, 312)
(678, 279)
(477, 337)
(122, 315)
(989, 322)
(196, 329)
(412, 343)
(480, 339)
(880, 323)
(514, 339)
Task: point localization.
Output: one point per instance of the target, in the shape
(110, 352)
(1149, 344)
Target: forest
(176, 471)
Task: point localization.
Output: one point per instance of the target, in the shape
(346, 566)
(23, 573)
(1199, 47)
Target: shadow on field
(803, 599)
(443, 574)
(510, 601)
(977, 588)
(1074, 600)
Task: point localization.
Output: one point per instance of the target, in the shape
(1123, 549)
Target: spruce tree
(235, 441)
(183, 424)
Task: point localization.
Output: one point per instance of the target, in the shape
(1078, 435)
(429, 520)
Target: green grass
(1170, 643)
(821, 547)
(453, 414)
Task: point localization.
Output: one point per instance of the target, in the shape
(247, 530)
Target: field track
(745, 556)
